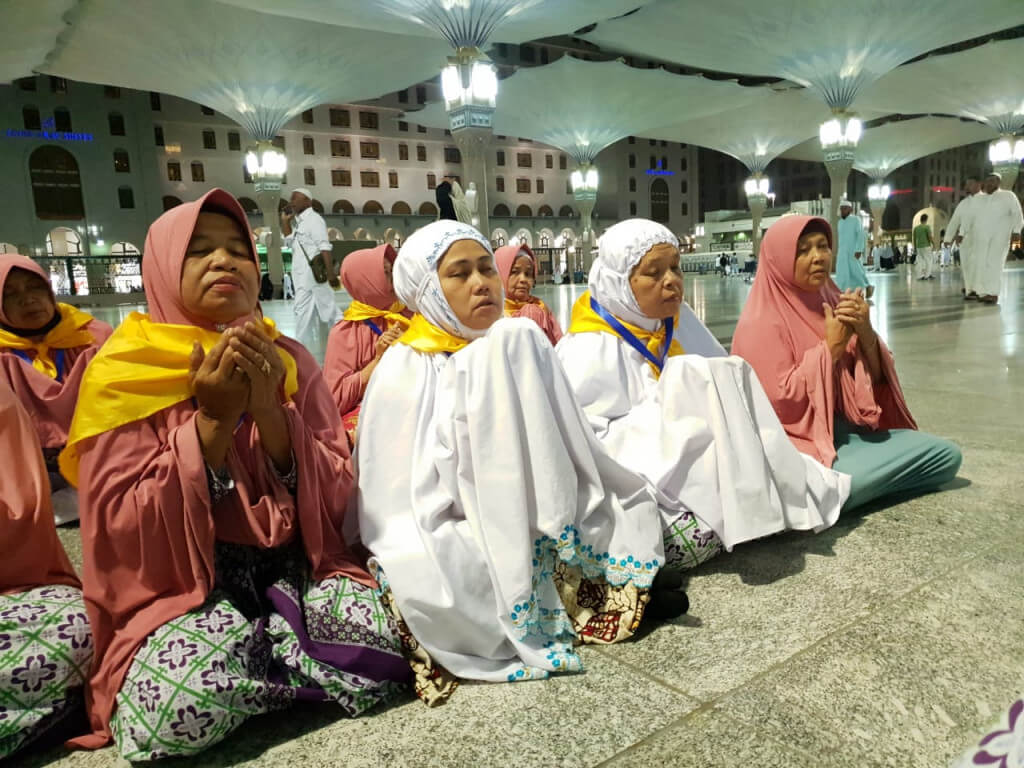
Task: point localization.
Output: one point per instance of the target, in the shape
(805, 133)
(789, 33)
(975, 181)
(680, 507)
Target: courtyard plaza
(891, 639)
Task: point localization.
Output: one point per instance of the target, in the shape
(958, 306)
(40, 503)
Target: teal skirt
(886, 462)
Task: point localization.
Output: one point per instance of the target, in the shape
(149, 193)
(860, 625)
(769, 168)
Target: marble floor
(893, 639)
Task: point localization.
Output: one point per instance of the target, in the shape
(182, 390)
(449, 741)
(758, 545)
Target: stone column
(838, 164)
(757, 205)
(587, 234)
(474, 144)
(877, 209)
(268, 202)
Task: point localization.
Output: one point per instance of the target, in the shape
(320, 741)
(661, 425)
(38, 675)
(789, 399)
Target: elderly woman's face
(813, 261)
(657, 282)
(219, 279)
(28, 300)
(471, 284)
(520, 279)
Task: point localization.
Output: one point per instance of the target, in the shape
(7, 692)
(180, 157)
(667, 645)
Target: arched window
(198, 172)
(125, 197)
(124, 249)
(30, 118)
(62, 119)
(401, 209)
(56, 184)
(121, 162)
(659, 200)
(170, 201)
(502, 210)
(116, 122)
(342, 206)
(524, 210)
(545, 210)
(566, 212)
(248, 205)
(318, 207)
(63, 241)
(428, 209)
(372, 206)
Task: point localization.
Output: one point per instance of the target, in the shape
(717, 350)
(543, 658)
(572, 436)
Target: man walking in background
(923, 244)
(963, 223)
(850, 272)
(305, 233)
(998, 216)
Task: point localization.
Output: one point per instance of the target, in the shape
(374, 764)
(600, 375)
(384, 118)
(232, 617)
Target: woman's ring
(266, 368)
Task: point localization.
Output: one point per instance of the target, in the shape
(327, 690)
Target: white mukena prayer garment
(703, 432)
(494, 516)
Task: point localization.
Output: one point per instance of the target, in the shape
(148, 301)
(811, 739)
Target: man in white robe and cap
(305, 233)
(960, 230)
(999, 216)
(850, 272)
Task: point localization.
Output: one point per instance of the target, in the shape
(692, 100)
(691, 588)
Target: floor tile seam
(609, 652)
(869, 612)
(707, 707)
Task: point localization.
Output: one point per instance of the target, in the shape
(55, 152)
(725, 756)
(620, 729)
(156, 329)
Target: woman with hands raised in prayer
(831, 379)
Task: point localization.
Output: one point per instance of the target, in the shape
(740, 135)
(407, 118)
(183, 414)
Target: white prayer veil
(619, 250)
(417, 283)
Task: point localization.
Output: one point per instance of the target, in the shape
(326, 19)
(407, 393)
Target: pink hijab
(533, 308)
(148, 522)
(781, 333)
(50, 403)
(362, 274)
(30, 552)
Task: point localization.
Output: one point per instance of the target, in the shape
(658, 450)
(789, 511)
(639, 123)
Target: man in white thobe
(852, 239)
(305, 233)
(963, 223)
(999, 216)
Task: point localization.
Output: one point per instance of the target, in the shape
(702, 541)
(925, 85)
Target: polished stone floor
(893, 639)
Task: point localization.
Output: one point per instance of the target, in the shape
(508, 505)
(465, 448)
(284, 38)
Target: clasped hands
(241, 374)
(850, 316)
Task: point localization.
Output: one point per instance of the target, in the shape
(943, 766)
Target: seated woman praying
(45, 643)
(666, 403)
(518, 269)
(44, 349)
(505, 534)
(214, 473)
(370, 325)
(830, 378)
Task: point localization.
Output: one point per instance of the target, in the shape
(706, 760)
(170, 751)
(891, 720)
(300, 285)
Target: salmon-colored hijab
(505, 258)
(362, 274)
(30, 552)
(781, 333)
(11, 261)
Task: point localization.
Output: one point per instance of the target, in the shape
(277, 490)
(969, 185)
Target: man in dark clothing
(443, 195)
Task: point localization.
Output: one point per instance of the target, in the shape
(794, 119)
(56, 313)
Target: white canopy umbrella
(834, 48)
(32, 29)
(258, 69)
(983, 83)
(461, 22)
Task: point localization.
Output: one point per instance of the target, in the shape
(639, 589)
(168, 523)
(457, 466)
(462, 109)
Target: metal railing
(93, 275)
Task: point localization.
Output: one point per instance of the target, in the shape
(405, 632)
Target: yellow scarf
(426, 337)
(586, 320)
(512, 306)
(68, 333)
(358, 311)
(141, 370)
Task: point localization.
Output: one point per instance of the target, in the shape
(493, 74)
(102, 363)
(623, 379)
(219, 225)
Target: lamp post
(1005, 154)
(267, 166)
(470, 88)
(758, 188)
(584, 181)
(839, 137)
(878, 196)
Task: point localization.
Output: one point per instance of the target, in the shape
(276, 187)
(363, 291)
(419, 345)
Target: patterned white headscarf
(417, 283)
(619, 250)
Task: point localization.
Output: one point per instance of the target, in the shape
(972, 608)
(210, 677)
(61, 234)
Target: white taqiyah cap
(844, 203)
(303, 191)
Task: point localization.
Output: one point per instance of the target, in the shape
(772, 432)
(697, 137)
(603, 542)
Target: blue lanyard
(630, 338)
(58, 360)
(373, 327)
